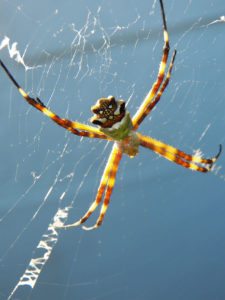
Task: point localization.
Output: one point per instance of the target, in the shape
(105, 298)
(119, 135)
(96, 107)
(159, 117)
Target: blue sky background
(163, 235)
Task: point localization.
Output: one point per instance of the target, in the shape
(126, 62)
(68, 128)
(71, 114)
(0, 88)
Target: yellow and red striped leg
(74, 127)
(178, 156)
(138, 117)
(109, 188)
(106, 182)
(160, 92)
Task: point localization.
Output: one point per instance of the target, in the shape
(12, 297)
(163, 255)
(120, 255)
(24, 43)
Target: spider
(116, 125)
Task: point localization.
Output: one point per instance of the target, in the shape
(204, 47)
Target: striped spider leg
(173, 154)
(142, 112)
(188, 161)
(74, 127)
(105, 188)
(115, 124)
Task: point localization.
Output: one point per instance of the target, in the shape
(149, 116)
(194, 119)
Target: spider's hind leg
(140, 114)
(40, 102)
(76, 128)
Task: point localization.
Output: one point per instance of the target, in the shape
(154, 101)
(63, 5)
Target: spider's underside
(116, 125)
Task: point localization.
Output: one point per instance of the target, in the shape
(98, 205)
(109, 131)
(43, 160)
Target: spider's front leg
(113, 168)
(177, 156)
(105, 188)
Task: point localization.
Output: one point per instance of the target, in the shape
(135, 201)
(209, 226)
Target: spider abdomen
(112, 118)
(108, 111)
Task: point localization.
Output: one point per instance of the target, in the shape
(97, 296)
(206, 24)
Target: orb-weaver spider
(116, 125)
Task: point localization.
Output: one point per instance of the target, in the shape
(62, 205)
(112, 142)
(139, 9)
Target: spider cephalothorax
(108, 111)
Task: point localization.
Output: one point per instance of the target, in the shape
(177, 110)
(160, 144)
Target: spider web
(164, 223)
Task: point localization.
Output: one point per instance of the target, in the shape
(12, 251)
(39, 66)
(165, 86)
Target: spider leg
(74, 127)
(193, 162)
(152, 104)
(108, 192)
(137, 119)
(107, 182)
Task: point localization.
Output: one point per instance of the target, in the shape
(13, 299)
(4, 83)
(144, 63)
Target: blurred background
(164, 233)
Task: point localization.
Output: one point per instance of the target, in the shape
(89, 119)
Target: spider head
(108, 111)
